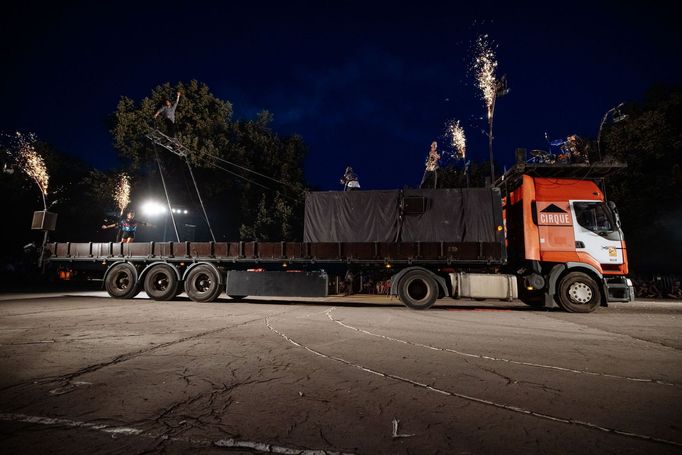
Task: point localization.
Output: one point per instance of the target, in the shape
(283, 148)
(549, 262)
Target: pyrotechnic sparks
(122, 192)
(30, 162)
(485, 65)
(457, 138)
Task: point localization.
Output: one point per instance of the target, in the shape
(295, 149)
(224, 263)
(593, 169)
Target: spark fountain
(122, 192)
(485, 66)
(31, 163)
(458, 140)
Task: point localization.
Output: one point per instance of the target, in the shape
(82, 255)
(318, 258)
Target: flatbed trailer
(127, 268)
(543, 234)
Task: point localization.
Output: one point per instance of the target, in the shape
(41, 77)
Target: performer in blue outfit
(127, 226)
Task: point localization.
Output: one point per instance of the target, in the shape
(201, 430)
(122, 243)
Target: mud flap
(277, 284)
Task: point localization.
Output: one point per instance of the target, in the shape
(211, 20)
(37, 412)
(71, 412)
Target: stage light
(153, 208)
(185, 212)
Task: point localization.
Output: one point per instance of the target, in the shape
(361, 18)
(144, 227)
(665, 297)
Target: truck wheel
(121, 281)
(161, 282)
(578, 293)
(202, 284)
(417, 290)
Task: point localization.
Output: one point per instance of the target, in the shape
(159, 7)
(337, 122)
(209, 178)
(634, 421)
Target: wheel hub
(122, 280)
(161, 282)
(580, 292)
(203, 283)
(417, 289)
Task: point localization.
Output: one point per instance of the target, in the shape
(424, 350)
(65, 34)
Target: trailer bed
(462, 253)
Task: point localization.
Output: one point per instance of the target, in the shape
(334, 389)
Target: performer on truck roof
(431, 170)
(167, 111)
(350, 180)
(128, 226)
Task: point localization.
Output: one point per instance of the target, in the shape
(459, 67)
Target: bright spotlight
(185, 212)
(153, 208)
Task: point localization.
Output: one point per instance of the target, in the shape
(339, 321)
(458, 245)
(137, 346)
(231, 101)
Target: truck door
(596, 231)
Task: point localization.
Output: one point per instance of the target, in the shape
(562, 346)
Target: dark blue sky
(365, 84)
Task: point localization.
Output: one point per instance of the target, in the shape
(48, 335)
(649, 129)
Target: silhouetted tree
(206, 126)
(649, 191)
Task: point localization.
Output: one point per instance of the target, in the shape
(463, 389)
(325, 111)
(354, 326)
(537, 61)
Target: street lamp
(501, 89)
(619, 117)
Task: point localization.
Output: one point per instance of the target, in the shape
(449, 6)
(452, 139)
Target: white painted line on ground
(69, 423)
(482, 401)
(131, 431)
(500, 359)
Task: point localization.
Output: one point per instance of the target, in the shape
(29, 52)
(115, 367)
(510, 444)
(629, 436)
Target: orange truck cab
(564, 239)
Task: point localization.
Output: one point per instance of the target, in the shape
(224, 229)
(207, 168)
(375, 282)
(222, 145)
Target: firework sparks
(30, 162)
(485, 65)
(457, 137)
(122, 192)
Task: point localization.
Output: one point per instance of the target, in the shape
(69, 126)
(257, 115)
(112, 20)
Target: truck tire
(418, 290)
(202, 284)
(121, 281)
(161, 282)
(578, 293)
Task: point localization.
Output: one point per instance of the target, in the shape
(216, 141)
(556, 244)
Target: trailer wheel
(121, 281)
(578, 293)
(202, 284)
(161, 282)
(418, 290)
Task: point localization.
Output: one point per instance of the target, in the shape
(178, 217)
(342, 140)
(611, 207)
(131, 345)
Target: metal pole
(201, 202)
(601, 125)
(165, 190)
(42, 250)
(490, 141)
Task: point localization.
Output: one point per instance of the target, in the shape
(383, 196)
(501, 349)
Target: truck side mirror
(614, 210)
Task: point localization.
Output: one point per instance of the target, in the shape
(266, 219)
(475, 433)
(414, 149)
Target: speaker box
(414, 205)
(44, 221)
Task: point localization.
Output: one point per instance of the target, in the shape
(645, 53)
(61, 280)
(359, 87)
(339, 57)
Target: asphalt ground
(84, 373)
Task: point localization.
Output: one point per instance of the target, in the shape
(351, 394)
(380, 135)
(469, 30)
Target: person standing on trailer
(431, 170)
(167, 112)
(350, 180)
(128, 226)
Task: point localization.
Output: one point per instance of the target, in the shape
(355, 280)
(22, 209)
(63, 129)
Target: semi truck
(544, 234)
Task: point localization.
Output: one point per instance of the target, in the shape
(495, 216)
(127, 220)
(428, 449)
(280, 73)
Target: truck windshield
(595, 216)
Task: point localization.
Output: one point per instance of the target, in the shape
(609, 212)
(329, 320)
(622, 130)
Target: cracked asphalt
(80, 372)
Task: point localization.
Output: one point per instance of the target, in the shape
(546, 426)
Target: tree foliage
(649, 191)
(242, 163)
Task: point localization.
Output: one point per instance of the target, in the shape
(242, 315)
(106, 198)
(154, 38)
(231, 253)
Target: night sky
(367, 86)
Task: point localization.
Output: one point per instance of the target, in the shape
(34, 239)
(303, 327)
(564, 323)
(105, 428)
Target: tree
(238, 161)
(649, 191)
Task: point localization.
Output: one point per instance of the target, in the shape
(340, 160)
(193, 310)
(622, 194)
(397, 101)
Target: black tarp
(351, 216)
(451, 215)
